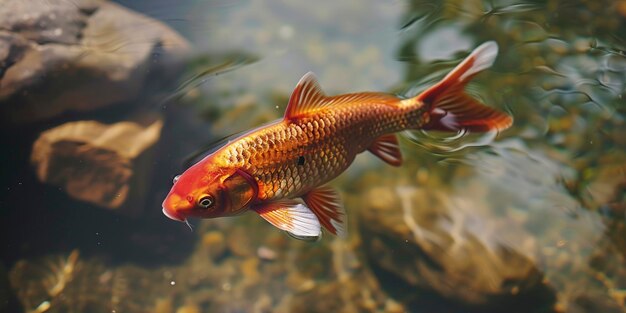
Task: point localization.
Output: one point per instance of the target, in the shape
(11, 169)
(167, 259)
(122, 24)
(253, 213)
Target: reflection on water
(528, 220)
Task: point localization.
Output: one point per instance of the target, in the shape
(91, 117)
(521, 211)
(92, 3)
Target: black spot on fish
(301, 160)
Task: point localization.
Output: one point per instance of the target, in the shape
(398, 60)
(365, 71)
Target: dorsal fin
(306, 97)
(363, 98)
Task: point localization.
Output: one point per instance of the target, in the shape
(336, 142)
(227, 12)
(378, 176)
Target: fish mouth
(173, 215)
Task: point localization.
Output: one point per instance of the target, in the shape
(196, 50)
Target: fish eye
(206, 201)
(176, 178)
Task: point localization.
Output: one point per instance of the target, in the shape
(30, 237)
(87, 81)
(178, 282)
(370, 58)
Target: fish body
(270, 168)
(291, 156)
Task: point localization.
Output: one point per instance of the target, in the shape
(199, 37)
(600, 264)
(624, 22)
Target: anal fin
(326, 205)
(386, 147)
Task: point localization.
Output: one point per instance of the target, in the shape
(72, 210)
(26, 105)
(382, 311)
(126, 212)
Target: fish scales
(316, 148)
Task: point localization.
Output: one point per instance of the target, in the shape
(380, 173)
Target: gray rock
(47, 22)
(409, 234)
(12, 48)
(77, 56)
(500, 234)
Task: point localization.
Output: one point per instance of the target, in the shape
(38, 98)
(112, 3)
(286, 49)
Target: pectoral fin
(386, 147)
(292, 217)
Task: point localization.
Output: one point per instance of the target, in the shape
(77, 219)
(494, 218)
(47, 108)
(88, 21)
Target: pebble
(265, 253)
(215, 243)
(307, 285)
(190, 308)
(250, 270)
(163, 305)
(239, 242)
(263, 304)
(392, 306)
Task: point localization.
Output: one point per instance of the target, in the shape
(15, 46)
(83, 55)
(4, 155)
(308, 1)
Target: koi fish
(279, 170)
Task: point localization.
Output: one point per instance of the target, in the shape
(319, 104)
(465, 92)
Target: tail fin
(452, 109)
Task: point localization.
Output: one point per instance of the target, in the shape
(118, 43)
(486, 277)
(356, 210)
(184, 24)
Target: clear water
(528, 220)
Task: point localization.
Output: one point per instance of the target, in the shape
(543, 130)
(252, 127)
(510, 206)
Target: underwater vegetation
(99, 116)
(48, 282)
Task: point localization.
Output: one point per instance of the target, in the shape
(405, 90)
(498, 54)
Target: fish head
(209, 192)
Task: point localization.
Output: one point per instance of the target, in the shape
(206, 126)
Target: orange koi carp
(279, 170)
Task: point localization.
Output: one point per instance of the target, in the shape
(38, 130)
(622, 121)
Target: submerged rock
(502, 234)
(604, 184)
(98, 163)
(405, 236)
(76, 56)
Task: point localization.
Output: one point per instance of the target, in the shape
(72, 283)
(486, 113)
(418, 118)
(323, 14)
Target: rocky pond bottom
(416, 244)
(101, 105)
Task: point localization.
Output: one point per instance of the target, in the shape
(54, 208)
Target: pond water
(532, 219)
